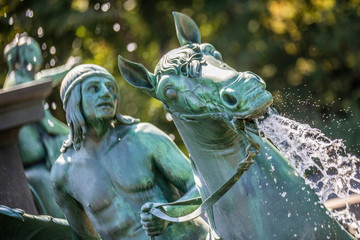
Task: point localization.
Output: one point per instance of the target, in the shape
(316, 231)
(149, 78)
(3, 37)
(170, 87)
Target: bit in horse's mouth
(255, 114)
(237, 124)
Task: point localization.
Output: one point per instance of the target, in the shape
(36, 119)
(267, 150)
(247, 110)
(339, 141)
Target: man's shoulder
(143, 129)
(60, 168)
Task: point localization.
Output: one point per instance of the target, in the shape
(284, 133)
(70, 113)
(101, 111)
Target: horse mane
(186, 60)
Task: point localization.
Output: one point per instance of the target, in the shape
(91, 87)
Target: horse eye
(170, 93)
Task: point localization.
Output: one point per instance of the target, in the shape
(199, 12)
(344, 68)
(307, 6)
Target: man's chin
(105, 117)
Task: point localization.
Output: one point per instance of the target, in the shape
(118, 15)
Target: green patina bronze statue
(214, 107)
(111, 165)
(39, 143)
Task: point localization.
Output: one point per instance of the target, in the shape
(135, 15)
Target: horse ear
(137, 75)
(186, 29)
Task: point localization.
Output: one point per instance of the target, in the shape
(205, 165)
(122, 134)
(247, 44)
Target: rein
(243, 166)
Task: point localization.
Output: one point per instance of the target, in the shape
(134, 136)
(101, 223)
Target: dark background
(308, 51)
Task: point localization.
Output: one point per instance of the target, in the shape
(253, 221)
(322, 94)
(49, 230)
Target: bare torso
(111, 184)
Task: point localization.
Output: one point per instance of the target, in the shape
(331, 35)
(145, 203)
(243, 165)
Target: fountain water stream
(324, 163)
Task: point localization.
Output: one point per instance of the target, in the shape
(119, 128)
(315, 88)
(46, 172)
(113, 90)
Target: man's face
(99, 98)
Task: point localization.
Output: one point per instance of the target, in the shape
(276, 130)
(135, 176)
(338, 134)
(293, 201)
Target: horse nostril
(229, 98)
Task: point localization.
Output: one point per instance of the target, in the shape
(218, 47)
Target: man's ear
(137, 75)
(186, 29)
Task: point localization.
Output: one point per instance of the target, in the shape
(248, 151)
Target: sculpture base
(12, 181)
(19, 105)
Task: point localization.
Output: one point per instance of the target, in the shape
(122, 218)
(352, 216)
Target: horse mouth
(255, 108)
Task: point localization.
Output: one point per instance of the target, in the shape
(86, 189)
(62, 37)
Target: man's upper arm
(170, 160)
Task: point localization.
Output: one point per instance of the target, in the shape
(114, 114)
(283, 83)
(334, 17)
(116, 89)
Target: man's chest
(116, 172)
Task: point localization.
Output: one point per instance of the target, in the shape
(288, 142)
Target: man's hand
(152, 225)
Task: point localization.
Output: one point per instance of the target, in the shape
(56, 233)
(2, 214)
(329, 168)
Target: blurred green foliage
(308, 51)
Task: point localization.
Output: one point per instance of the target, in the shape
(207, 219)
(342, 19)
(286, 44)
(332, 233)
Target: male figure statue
(112, 165)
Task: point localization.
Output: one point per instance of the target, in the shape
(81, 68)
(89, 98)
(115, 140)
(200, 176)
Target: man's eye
(111, 88)
(93, 89)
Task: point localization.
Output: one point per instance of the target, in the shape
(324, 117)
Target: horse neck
(211, 142)
(205, 133)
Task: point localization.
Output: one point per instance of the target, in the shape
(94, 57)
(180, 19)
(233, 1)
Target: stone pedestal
(18, 106)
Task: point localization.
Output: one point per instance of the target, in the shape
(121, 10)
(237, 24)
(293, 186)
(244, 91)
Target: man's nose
(104, 91)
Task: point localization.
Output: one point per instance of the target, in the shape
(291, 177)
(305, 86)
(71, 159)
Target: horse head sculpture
(211, 105)
(193, 82)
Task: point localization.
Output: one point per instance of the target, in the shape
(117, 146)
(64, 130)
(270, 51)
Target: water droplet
(40, 32)
(272, 168)
(29, 13)
(51, 124)
(43, 46)
(29, 67)
(53, 105)
(131, 47)
(11, 21)
(169, 117)
(116, 27)
(97, 6)
(52, 50)
(283, 194)
(172, 136)
(289, 215)
(52, 62)
(105, 7)
(46, 106)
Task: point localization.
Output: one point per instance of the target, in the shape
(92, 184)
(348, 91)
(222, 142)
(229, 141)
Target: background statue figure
(39, 143)
(111, 165)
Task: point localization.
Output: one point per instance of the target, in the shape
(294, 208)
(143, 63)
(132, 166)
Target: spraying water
(323, 162)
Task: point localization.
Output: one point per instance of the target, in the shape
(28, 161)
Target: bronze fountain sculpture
(213, 107)
(111, 165)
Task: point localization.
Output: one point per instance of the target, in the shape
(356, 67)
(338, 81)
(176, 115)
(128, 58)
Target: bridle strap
(213, 198)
